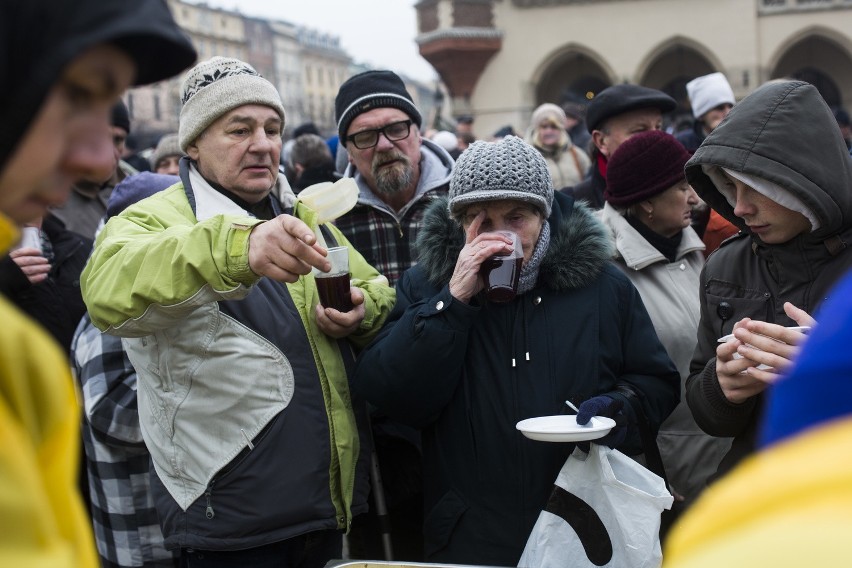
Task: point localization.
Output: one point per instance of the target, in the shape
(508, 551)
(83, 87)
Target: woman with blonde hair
(566, 162)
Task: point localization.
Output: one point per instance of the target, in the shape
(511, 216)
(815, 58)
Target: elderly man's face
(389, 167)
(618, 129)
(508, 215)
(240, 151)
(66, 139)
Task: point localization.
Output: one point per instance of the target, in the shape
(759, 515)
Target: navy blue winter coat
(447, 367)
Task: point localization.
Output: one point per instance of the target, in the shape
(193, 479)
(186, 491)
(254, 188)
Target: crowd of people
(686, 281)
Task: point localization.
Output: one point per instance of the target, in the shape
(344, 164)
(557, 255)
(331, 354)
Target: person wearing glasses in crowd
(399, 174)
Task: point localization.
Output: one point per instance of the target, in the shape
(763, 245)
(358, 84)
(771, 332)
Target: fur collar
(579, 245)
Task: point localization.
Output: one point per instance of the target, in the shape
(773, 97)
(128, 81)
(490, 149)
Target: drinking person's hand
(342, 324)
(465, 281)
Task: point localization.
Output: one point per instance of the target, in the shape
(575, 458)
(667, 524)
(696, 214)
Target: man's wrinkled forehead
(648, 116)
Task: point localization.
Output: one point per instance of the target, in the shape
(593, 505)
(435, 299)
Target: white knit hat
(446, 140)
(217, 86)
(708, 92)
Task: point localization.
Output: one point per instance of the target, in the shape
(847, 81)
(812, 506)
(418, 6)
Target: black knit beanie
(120, 116)
(369, 90)
(643, 166)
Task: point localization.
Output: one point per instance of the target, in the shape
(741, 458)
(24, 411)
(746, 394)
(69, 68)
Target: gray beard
(394, 180)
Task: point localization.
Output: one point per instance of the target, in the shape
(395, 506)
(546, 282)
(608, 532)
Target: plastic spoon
(577, 410)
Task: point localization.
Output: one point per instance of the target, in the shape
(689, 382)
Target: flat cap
(622, 98)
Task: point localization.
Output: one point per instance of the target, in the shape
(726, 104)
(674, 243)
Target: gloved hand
(603, 406)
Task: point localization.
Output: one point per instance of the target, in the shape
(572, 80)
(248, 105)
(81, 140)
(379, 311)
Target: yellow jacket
(42, 520)
(788, 506)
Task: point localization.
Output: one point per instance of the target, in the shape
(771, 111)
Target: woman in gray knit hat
(465, 370)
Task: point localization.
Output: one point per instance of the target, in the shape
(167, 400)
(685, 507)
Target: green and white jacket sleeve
(154, 264)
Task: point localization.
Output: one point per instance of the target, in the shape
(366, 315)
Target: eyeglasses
(368, 138)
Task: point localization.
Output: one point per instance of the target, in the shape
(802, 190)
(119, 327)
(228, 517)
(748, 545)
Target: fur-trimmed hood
(579, 245)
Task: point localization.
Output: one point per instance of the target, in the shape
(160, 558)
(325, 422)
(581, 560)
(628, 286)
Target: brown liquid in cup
(334, 292)
(501, 275)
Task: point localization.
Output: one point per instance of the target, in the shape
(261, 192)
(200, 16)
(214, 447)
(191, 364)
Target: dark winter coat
(692, 138)
(467, 373)
(591, 189)
(784, 133)
(56, 303)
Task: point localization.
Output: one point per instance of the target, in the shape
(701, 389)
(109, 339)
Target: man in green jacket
(244, 398)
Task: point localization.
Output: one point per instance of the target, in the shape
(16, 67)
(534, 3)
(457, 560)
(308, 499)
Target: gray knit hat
(217, 86)
(167, 146)
(508, 169)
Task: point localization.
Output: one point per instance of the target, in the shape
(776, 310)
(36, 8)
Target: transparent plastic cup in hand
(30, 238)
(333, 286)
(501, 274)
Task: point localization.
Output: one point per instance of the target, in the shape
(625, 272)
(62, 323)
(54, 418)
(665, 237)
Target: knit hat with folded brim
(167, 146)
(217, 86)
(367, 91)
(493, 171)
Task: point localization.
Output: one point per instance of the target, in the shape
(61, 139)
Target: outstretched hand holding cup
(467, 280)
(333, 286)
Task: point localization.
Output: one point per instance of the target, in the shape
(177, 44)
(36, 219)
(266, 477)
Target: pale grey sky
(378, 32)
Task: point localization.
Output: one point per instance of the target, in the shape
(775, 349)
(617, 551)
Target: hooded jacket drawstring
(520, 312)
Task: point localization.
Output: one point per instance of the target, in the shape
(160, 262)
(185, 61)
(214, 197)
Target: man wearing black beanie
(399, 174)
(86, 206)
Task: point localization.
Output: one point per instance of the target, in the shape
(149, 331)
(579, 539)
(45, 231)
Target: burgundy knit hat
(645, 165)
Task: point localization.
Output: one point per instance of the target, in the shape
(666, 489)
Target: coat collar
(579, 246)
(636, 251)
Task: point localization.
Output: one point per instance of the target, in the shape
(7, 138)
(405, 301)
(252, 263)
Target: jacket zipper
(208, 494)
(209, 512)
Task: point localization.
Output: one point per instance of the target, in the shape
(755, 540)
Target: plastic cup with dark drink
(502, 273)
(333, 286)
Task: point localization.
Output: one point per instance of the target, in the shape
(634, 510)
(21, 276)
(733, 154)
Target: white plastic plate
(564, 428)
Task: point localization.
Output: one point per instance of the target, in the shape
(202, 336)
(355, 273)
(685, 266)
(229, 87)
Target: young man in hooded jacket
(58, 86)
(777, 168)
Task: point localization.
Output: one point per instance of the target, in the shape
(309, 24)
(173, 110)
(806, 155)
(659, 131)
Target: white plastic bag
(604, 511)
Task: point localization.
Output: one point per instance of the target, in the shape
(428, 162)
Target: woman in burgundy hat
(648, 210)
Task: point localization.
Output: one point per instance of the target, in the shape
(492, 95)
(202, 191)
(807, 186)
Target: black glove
(604, 406)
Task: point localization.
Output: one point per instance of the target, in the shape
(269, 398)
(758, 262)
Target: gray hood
(785, 133)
